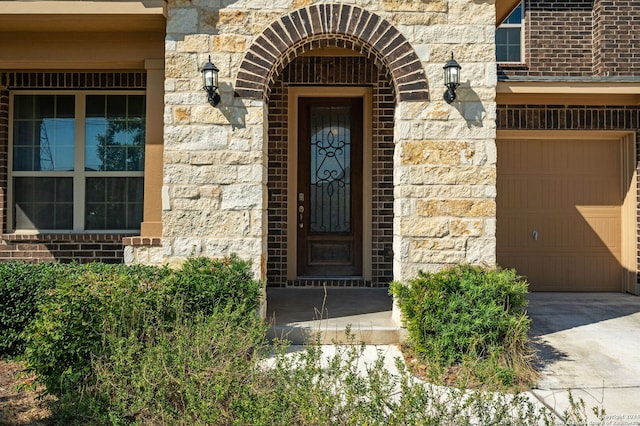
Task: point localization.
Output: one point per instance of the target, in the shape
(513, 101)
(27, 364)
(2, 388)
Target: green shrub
(22, 286)
(68, 328)
(209, 285)
(471, 316)
(77, 317)
(191, 373)
(214, 371)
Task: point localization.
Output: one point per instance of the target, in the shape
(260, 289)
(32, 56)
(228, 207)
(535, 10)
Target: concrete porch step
(303, 315)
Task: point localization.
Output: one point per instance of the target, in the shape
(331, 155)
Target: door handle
(534, 234)
(301, 217)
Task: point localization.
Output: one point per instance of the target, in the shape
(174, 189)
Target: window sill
(142, 241)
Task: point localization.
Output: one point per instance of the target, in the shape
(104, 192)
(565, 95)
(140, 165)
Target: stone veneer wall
(215, 177)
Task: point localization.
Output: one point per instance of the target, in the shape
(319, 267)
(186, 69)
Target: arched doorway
(320, 58)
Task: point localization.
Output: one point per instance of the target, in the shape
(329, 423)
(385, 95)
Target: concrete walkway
(587, 342)
(590, 343)
(303, 314)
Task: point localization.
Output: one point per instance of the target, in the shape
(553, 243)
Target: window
(77, 161)
(509, 37)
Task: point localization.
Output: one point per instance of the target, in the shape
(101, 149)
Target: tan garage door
(559, 213)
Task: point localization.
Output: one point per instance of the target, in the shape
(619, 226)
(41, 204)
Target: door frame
(294, 93)
(626, 141)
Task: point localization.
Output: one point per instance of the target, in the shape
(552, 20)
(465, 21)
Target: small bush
(212, 370)
(469, 316)
(67, 330)
(210, 285)
(191, 373)
(22, 286)
(78, 317)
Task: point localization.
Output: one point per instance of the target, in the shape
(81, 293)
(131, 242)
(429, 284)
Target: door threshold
(329, 282)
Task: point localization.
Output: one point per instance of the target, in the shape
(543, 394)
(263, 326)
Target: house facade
(332, 156)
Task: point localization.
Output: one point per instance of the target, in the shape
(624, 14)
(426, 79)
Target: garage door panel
(559, 213)
(567, 272)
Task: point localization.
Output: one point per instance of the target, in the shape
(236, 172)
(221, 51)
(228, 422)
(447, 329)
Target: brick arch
(331, 25)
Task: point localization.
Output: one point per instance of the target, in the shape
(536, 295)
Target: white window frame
(522, 39)
(79, 174)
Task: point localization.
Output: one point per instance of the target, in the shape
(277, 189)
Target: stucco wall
(215, 193)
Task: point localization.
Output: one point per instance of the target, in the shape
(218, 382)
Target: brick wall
(82, 248)
(63, 247)
(616, 25)
(579, 38)
(557, 39)
(344, 70)
(568, 117)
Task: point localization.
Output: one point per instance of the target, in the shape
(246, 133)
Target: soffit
(51, 16)
(569, 93)
(504, 9)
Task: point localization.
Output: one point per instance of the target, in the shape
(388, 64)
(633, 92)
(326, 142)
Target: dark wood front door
(329, 199)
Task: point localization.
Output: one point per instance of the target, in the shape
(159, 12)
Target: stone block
(436, 152)
(210, 191)
(182, 98)
(180, 65)
(129, 255)
(246, 248)
(233, 21)
(450, 34)
(181, 115)
(471, 13)
(196, 138)
(481, 251)
(437, 257)
(184, 174)
(438, 111)
(206, 114)
(454, 175)
(466, 228)
(185, 191)
(439, 244)
(456, 208)
(187, 247)
(209, 18)
(238, 144)
(155, 255)
(424, 227)
(182, 20)
(296, 4)
(421, 18)
(229, 43)
(251, 173)
(415, 5)
(242, 196)
(195, 43)
(471, 51)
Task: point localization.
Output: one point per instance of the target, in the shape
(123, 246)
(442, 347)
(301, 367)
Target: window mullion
(79, 174)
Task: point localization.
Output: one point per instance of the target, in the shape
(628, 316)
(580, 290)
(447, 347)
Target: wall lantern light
(210, 82)
(451, 79)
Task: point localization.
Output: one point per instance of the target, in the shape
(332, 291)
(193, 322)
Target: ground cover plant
(21, 287)
(468, 326)
(143, 345)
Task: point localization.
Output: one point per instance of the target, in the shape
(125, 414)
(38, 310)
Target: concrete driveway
(589, 343)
